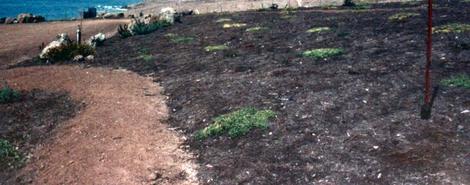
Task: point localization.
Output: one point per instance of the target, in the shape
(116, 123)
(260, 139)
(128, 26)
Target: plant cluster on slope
(461, 80)
(237, 123)
(452, 28)
(8, 95)
(402, 17)
(9, 155)
(318, 29)
(323, 53)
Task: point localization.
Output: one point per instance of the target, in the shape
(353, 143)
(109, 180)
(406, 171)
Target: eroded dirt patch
(31, 120)
(118, 138)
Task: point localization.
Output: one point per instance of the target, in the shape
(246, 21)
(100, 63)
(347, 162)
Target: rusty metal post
(426, 108)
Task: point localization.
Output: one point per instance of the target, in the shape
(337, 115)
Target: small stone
(209, 166)
(90, 58)
(154, 176)
(465, 111)
(78, 58)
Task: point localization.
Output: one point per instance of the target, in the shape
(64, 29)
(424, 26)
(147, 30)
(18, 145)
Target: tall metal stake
(426, 108)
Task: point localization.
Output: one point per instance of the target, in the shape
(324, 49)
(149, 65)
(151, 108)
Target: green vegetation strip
(256, 29)
(461, 80)
(234, 25)
(179, 39)
(323, 53)
(215, 48)
(237, 123)
(8, 95)
(9, 156)
(318, 29)
(401, 17)
(452, 28)
(223, 20)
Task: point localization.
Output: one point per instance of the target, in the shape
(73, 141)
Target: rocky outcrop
(10, 20)
(62, 39)
(96, 40)
(111, 15)
(29, 18)
(167, 14)
(23, 18)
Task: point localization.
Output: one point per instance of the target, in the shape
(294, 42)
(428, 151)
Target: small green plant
(67, 52)
(223, 20)
(124, 31)
(452, 28)
(216, 48)
(234, 25)
(362, 6)
(9, 156)
(256, 29)
(179, 39)
(237, 123)
(342, 34)
(402, 17)
(461, 80)
(145, 55)
(323, 53)
(318, 30)
(8, 95)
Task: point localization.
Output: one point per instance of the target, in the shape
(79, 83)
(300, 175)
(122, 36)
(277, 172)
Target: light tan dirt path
(21, 41)
(117, 138)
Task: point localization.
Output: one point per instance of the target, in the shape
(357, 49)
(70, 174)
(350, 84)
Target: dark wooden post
(426, 108)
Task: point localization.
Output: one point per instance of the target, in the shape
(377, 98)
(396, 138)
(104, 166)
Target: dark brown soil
(351, 119)
(31, 120)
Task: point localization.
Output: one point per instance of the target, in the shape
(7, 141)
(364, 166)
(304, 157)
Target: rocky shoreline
(23, 18)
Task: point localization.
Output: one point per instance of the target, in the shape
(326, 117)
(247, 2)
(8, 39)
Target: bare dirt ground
(21, 41)
(117, 138)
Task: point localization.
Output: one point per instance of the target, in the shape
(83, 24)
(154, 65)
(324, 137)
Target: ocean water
(60, 9)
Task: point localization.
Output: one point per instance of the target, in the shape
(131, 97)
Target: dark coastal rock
(25, 18)
(2, 20)
(112, 15)
(38, 19)
(10, 20)
(90, 13)
(29, 18)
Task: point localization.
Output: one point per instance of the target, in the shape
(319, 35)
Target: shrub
(67, 52)
(8, 154)
(8, 95)
(124, 31)
(237, 123)
(349, 3)
(323, 53)
(452, 28)
(216, 48)
(256, 29)
(402, 17)
(140, 28)
(318, 29)
(234, 25)
(461, 80)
